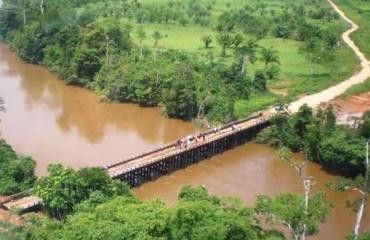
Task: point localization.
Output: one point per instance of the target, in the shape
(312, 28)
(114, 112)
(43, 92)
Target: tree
(16, 172)
(311, 141)
(140, 32)
(64, 188)
(302, 215)
(207, 40)
(157, 35)
(196, 216)
(302, 119)
(363, 236)
(200, 216)
(360, 184)
(331, 38)
(224, 40)
(183, 21)
(269, 55)
(314, 52)
(60, 191)
(247, 52)
(342, 152)
(272, 71)
(237, 39)
(29, 43)
(286, 209)
(364, 127)
(180, 99)
(101, 38)
(260, 81)
(330, 119)
(42, 7)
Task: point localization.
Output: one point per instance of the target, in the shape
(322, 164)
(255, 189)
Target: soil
(350, 108)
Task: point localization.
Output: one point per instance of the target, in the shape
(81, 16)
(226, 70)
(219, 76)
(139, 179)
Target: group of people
(186, 142)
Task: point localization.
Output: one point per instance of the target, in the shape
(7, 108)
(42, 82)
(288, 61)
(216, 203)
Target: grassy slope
(296, 78)
(359, 11)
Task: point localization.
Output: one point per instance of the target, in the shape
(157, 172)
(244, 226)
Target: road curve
(330, 93)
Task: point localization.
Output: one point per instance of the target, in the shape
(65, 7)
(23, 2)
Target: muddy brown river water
(54, 123)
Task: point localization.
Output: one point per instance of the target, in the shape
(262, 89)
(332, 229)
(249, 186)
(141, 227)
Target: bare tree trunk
(363, 192)
(141, 49)
(107, 55)
(244, 67)
(307, 183)
(200, 111)
(359, 215)
(42, 7)
(307, 188)
(24, 17)
(107, 50)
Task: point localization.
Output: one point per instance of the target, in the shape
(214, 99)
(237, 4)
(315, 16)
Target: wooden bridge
(23, 201)
(152, 164)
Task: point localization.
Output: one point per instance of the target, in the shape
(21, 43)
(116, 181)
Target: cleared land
(296, 77)
(358, 78)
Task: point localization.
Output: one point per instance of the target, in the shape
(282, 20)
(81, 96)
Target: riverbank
(216, 87)
(45, 96)
(71, 126)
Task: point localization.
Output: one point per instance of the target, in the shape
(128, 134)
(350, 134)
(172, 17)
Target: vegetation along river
(53, 122)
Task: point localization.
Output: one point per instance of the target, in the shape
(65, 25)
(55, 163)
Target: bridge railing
(191, 147)
(17, 196)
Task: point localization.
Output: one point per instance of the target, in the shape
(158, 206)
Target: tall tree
(140, 32)
(302, 215)
(60, 191)
(237, 39)
(248, 53)
(207, 40)
(360, 184)
(269, 55)
(225, 41)
(314, 52)
(157, 35)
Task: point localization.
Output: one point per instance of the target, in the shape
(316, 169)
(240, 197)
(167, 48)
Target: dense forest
(115, 48)
(339, 148)
(236, 58)
(88, 204)
(16, 172)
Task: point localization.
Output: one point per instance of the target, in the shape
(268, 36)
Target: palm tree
(207, 40)
(141, 36)
(248, 52)
(269, 55)
(224, 40)
(157, 35)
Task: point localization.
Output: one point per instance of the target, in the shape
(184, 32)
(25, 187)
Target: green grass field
(297, 76)
(359, 11)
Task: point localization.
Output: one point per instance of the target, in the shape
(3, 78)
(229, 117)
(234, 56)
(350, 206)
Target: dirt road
(328, 94)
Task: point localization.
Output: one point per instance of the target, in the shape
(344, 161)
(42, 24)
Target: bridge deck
(23, 203)
(172, 149)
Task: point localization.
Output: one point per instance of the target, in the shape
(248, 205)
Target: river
(55, 123)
